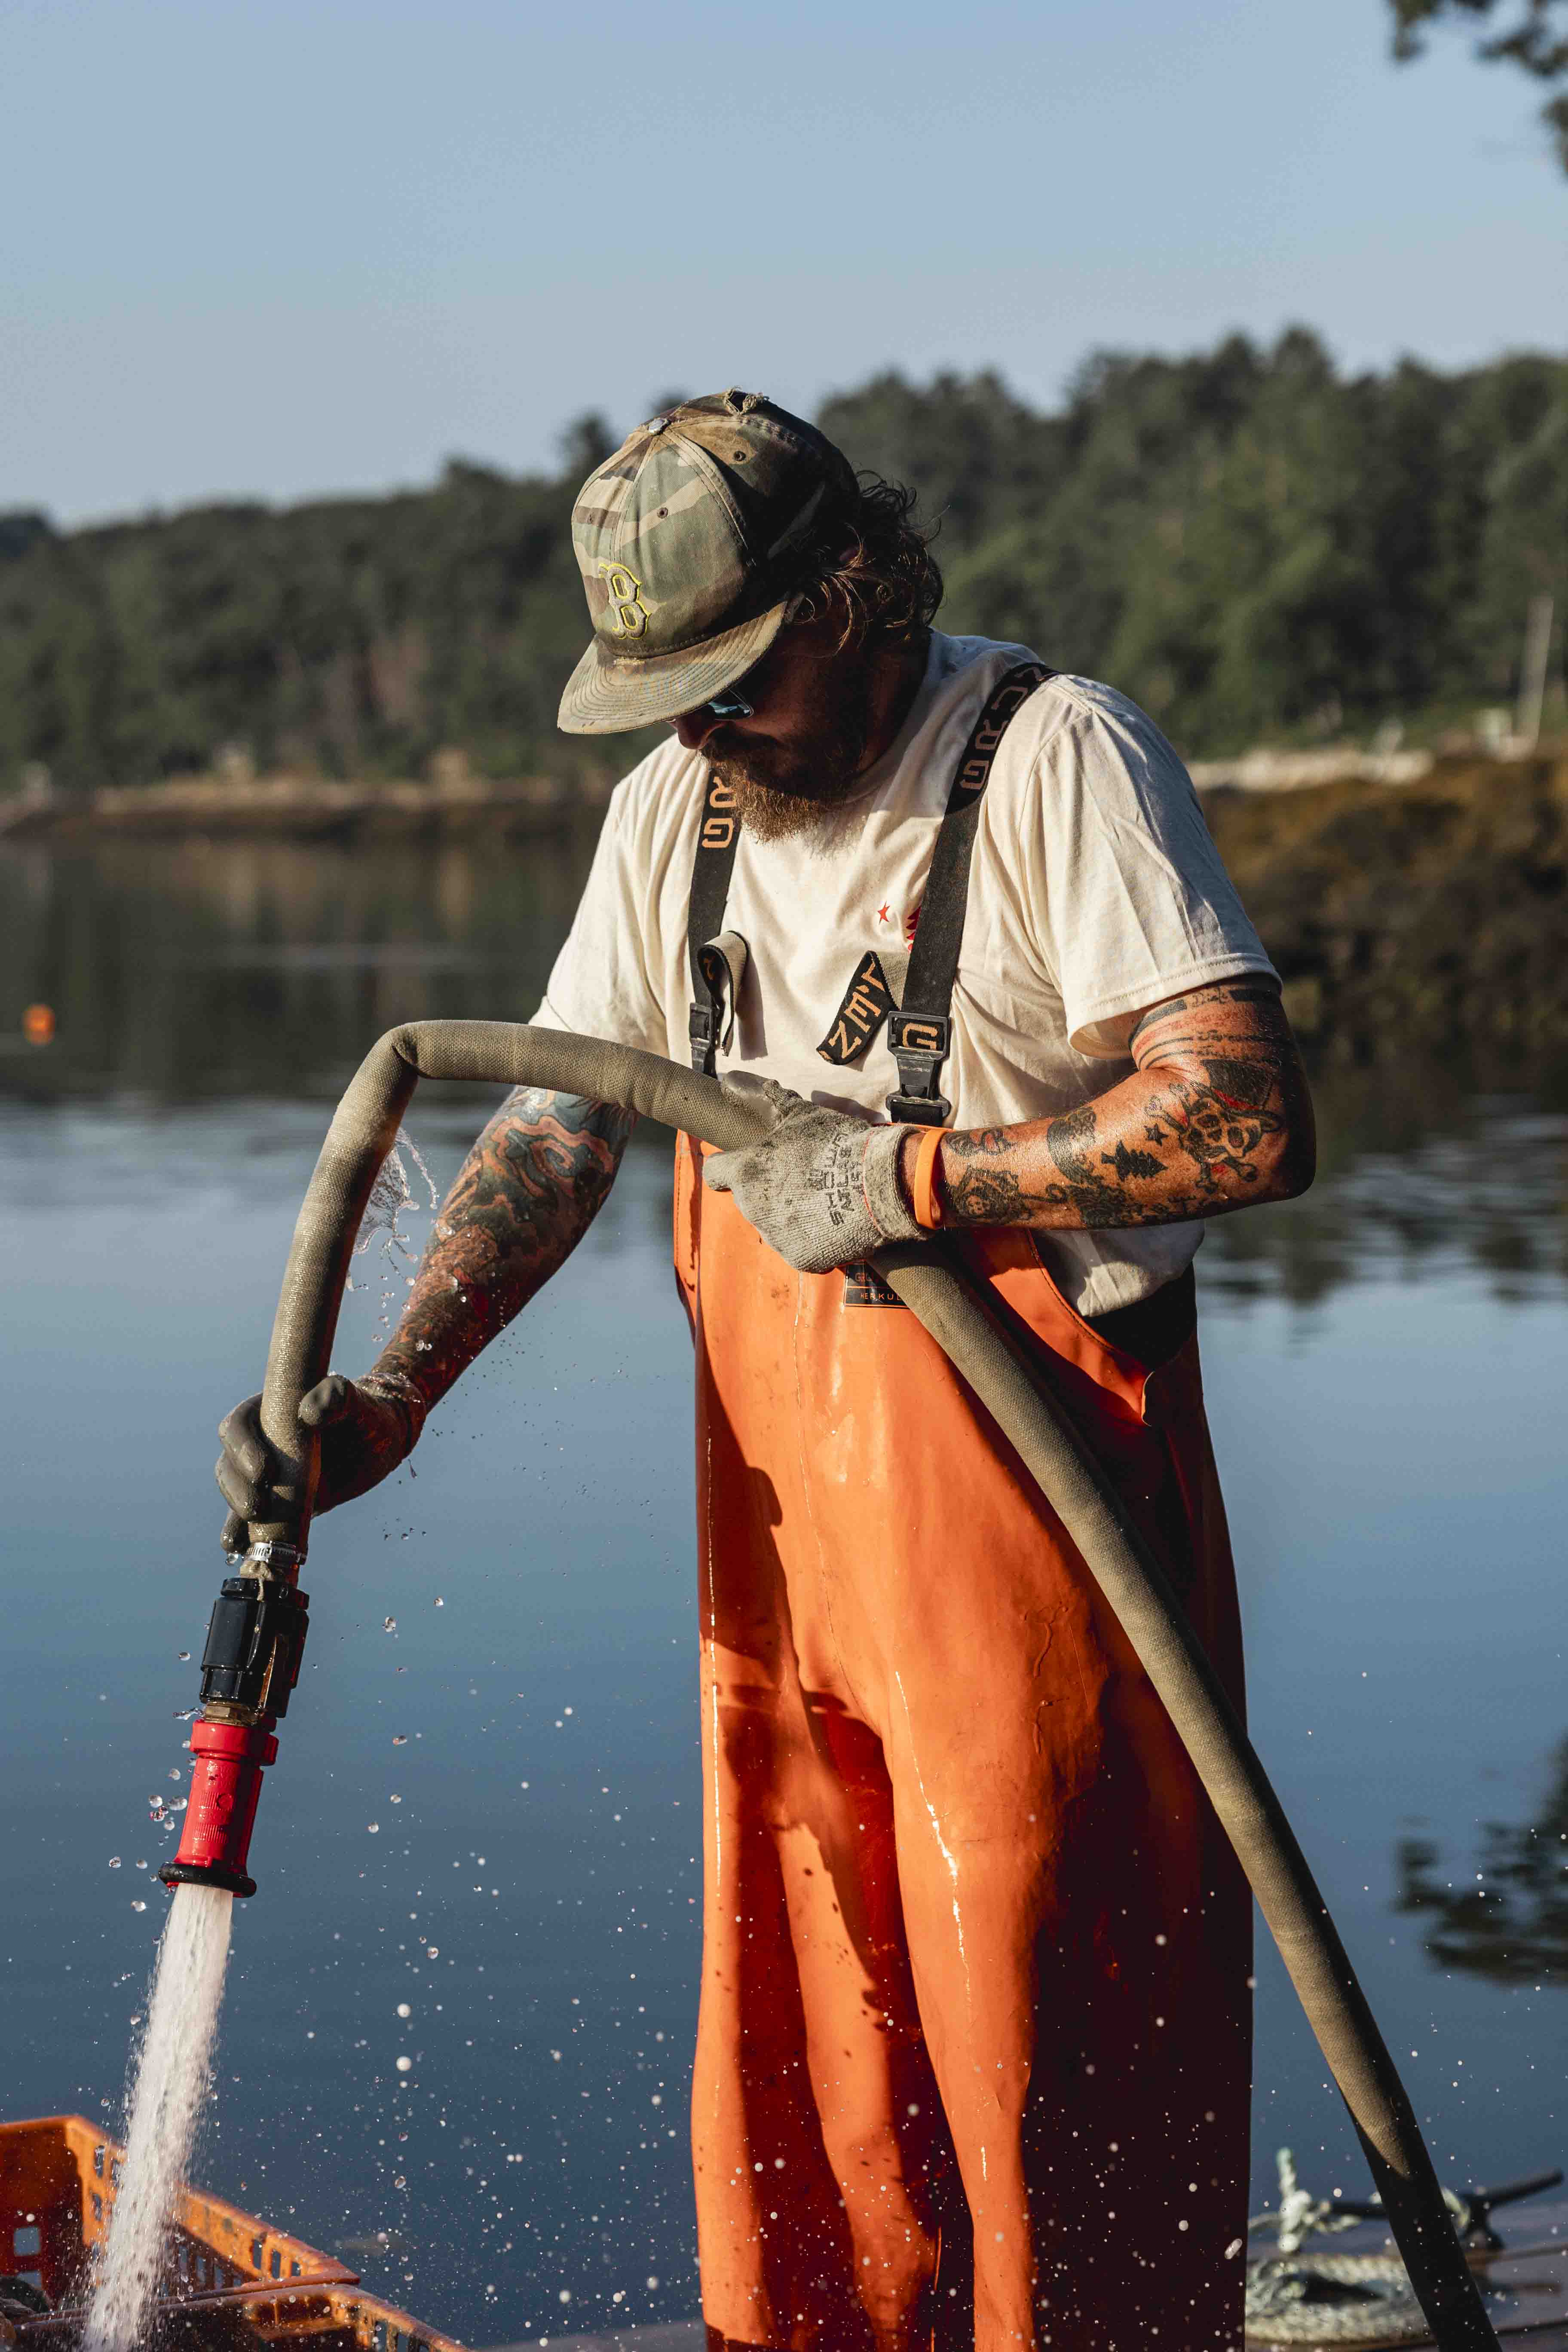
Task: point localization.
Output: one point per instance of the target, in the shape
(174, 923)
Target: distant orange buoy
(39, 1023)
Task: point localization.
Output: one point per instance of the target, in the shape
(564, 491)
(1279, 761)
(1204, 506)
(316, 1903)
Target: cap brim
(608, 694)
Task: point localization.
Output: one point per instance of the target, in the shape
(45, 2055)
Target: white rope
(1328, 2299)
(1333, 2299)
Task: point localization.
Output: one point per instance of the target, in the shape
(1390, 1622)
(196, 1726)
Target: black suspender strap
(921, 1032)
(717, 837)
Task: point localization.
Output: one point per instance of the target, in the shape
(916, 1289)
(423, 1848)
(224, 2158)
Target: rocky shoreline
(231, 799)
(298, 807)
(1429, 917)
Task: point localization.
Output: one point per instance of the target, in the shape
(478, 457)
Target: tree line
(1252, 543)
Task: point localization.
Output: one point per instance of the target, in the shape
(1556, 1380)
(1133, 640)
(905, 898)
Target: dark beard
(783, 798)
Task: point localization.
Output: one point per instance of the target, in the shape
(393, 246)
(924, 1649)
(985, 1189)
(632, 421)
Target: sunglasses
(725, 705)
(737, 701)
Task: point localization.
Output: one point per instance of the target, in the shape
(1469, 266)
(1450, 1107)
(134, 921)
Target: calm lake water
(485, 1805)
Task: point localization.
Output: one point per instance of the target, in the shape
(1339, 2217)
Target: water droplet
(432, 1951)
(404, 2065)
(137, 1904)
(400, 1739)
(439, 1603)
(141, 1865)
(373, 1827)
(404, 2010)
(183, 1656)
(176, 1773)
(114, 1861)
(389, 1625)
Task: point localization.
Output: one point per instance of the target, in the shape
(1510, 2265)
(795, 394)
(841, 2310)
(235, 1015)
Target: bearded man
(973, 2056)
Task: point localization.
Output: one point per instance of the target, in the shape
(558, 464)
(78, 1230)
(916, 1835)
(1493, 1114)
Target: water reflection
(188, 970)
(1507, 1919)
(1410, 1191)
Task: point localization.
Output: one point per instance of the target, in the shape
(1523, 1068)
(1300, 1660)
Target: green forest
(1256, 546)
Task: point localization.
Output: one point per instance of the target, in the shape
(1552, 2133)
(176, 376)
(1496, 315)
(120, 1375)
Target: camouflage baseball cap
(685, 540)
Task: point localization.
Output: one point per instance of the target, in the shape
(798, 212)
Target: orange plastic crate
(231, 2280)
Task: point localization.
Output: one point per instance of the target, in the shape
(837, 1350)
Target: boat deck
(1525, 2286)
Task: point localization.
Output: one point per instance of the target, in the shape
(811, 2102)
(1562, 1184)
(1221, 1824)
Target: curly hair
(871, 559)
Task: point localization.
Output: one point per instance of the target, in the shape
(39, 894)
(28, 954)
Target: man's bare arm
(1217, 1115)
(527, 1194)
(524, 1197)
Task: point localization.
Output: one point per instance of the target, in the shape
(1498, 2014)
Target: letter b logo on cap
(625, 591)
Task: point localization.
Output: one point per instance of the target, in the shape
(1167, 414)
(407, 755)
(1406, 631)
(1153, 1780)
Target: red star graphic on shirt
(884, 913)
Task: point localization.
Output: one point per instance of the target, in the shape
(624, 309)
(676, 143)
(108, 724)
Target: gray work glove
(367, 1428)
(823, 1189)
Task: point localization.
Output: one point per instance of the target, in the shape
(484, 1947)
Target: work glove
(367, 1428)
(822, 1188)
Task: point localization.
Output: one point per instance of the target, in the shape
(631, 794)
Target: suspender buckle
(919, 1110)
(702, 1028)
(920, 1043)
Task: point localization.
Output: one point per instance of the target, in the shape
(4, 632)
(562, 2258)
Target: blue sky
(280, 248)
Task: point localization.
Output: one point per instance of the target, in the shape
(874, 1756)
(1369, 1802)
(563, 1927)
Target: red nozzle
(215, 1844)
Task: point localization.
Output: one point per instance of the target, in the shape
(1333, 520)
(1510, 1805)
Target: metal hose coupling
(256, 1639)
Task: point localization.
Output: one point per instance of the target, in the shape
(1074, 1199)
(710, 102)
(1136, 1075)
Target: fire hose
(257, 1632)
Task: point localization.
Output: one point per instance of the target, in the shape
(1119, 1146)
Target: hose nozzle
(250, 1665)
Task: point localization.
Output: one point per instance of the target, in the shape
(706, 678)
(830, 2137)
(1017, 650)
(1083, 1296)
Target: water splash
(172, 2078)
(390, 1196)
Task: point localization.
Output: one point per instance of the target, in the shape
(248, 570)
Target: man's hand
(823, 1189)
(366, 1427)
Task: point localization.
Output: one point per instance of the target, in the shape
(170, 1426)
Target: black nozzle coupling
(256, 1638)
(250, 1665)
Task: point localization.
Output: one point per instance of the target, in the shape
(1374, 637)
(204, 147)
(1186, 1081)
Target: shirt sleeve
(602, 983)
(1127, 895)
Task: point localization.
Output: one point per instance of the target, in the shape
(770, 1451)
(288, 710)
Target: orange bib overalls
(973, 2056)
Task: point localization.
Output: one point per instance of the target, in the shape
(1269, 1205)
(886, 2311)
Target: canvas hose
(930, 1280)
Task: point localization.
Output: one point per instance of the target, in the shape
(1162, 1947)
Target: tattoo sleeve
(526, 1195)
(1216, 1116)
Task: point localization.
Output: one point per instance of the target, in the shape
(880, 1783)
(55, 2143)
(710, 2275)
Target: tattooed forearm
(526, 1194)
(1216, 1114)
(978, 1187)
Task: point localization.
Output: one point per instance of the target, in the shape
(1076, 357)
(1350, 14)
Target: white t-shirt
(1094, 892)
